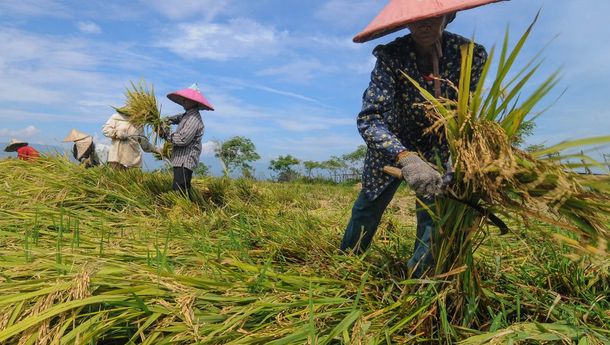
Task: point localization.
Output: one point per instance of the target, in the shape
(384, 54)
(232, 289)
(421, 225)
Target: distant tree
(526, 130)
(310, 166)
(607, 159)
(356, 156)
(237, 153)
(283, 166)
(247, 173)
(333, 165)
(355, 160)
(534, 148)
(201, 170)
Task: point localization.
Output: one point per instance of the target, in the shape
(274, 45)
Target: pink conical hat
(397, 14)
(192, 93)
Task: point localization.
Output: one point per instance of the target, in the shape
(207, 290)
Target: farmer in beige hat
(24, 151)
(128, 141)
(85, 151)
(395, 128)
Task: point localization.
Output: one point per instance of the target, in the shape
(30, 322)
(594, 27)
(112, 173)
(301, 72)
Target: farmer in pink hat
(186, 140)
(392, 124)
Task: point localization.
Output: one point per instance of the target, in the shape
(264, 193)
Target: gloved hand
(164, 132)
(422, 177)
(122, 135)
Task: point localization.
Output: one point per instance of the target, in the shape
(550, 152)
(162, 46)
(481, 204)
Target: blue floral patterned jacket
(390, 121)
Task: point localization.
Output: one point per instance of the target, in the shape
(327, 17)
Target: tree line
(237, 154)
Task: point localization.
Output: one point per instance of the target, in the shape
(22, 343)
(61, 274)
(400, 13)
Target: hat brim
(397, 15)
(176, 98)
(75, 135)
(14, 146)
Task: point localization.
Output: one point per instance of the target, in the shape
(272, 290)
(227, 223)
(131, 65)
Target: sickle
(499, 223)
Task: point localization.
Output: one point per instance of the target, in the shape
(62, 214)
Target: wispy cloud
(23, 133)
(238, 38)
(186, 9)
(307, 123)
(33, 8)
(89, 27)
(24, 115)
(66, 72)
(301, 70)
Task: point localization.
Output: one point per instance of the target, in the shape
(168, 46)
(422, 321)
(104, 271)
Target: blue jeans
(366, 216)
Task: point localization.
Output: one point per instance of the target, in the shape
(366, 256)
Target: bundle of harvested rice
(495, 175)
(141, 106)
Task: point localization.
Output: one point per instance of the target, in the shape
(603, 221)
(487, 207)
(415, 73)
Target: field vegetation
(99, 256)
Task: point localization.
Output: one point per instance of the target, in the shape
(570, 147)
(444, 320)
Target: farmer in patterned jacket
(395, 127)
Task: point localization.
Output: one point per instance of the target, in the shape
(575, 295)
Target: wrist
(403, 155)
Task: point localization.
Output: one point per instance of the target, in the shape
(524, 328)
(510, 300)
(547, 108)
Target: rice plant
(495, 175)
(117, 257)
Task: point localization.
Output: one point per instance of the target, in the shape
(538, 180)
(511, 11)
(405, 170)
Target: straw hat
(397, 14)
(82, 141)
(14, 145)
(75, 135)
(192, 93)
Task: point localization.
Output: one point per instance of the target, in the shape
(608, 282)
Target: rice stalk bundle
(141, 106)
(490, 171)
(166, 152)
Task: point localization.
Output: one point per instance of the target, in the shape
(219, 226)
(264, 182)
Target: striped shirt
(186, 140)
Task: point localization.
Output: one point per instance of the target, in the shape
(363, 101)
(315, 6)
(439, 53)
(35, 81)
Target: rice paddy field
(103, 257)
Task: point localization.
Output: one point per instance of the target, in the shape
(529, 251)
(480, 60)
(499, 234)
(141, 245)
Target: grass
(99, 256)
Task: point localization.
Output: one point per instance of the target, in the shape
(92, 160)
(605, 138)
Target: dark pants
(366, 216)
(182, 180)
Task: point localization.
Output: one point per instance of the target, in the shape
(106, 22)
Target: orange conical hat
(398, 13)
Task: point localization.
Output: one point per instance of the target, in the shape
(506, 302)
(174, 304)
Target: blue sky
(283, 73)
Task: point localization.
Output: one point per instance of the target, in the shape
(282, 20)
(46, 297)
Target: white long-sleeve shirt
(126, 152)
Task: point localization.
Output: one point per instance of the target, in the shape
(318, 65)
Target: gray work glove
(420, 175)
(122, 135)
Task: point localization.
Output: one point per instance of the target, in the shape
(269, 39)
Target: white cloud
(27, 132)
(306, 123)
(239, 38)
(24, 115)
(208, 149)
(89, 27)
(184, 9)
(33, 8)
(53, 70)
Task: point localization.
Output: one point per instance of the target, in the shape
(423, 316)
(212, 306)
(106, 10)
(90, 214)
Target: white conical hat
(13, 145)
(75, 135)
